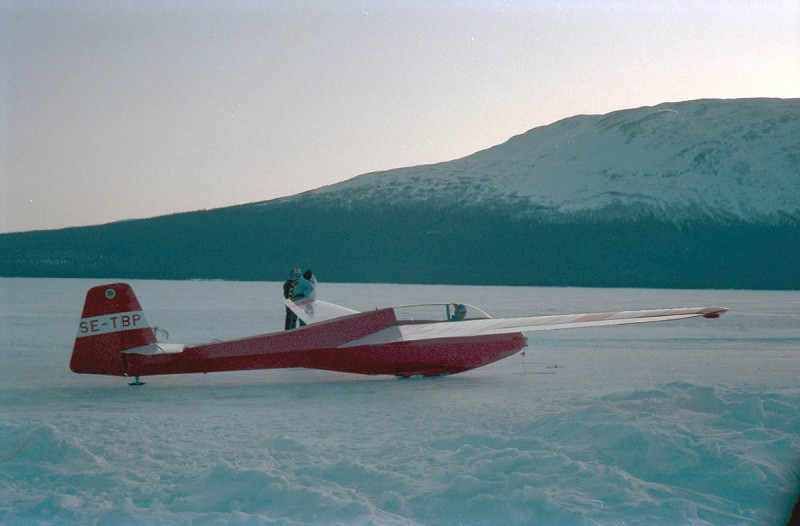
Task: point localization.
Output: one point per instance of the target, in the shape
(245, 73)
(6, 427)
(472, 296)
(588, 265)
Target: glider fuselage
(115, 339)
(318, 347)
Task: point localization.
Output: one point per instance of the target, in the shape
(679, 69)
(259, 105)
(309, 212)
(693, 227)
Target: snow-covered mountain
(700, 194)
(718, 159)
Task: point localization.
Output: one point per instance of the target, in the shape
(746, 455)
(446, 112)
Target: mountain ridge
(645, 157)
(674, 212)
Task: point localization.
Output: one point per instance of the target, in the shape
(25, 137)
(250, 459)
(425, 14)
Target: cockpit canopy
(439, 312)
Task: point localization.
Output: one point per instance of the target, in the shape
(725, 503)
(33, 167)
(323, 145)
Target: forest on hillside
(417, 243)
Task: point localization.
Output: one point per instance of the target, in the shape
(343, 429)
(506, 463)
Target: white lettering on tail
(120, 321)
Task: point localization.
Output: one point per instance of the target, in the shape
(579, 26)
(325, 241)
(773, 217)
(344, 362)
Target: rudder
(112, 322)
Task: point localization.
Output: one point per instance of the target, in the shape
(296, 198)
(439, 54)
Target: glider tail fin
(112, 322)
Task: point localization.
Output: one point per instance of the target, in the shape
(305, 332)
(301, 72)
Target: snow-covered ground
(692, 422)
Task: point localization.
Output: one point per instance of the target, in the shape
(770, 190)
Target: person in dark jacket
(288, 292)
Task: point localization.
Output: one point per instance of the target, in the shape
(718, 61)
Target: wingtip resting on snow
(714, 312)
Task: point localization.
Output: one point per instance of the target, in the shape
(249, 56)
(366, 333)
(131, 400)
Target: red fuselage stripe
(317, 346)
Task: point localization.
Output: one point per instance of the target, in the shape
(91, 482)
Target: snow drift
(682, 423)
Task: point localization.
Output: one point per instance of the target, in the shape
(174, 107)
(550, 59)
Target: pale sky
(116, 109)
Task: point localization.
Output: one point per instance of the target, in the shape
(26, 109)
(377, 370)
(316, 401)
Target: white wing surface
(466, 328)
(315, 311)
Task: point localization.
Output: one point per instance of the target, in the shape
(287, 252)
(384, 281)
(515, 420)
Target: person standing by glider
(288, 288)
(311, 278)
(303, 290)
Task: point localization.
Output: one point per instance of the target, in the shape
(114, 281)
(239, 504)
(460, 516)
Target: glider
(114, 338)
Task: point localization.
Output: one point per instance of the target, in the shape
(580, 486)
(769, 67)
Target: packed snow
(690, 422)
(719, 159)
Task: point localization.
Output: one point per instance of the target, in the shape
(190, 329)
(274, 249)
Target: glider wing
(467, 328)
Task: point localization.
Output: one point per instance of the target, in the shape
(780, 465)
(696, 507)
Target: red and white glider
(115, 339)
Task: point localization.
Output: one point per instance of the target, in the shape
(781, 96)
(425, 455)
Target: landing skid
(419, 376)
(137, 382)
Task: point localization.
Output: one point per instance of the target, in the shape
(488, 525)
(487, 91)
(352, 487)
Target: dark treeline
(417, 243)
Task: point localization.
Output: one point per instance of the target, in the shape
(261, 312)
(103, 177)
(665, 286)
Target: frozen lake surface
(689, 422)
